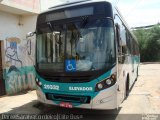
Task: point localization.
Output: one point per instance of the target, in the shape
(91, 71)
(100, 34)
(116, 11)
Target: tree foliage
(149, 43)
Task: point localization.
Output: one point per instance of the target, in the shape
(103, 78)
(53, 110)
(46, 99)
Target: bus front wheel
(127, 87)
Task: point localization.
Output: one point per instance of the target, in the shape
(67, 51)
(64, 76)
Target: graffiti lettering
(18, 83)
(19, 73)
(11, 51)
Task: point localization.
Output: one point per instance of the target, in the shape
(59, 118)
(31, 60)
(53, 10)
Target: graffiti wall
(19, 73)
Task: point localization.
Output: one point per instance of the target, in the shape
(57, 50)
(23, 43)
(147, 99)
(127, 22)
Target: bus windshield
(85, 45)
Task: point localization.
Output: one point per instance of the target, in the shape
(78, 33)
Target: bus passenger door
(119, 67)
(121, 72)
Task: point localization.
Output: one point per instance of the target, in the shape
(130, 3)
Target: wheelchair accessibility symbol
(70, 65)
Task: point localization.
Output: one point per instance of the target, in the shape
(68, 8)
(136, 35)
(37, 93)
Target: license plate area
(68, 98)
(66, 105)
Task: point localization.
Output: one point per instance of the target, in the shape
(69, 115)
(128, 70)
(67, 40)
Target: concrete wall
(19, 52)
(29, 24)
(9, 25)
(16, 25)
(23, 6)
(19, 73)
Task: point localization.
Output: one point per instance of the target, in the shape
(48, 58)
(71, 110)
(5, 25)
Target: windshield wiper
(85, 21)
(50, 26)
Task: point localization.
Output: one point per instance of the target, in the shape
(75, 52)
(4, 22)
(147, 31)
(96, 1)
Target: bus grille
(68, 98)
(68, 79)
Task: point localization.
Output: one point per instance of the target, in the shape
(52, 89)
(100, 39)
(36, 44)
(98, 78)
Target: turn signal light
(38, 82)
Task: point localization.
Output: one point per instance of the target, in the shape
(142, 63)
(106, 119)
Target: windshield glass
(85, 45)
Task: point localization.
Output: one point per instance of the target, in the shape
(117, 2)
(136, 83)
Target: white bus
(86, 56)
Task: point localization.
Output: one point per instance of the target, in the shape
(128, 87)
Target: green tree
(149, 43)
(153, 44)
(142, 37)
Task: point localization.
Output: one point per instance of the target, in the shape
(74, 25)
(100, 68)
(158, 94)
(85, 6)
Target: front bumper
(105, 99)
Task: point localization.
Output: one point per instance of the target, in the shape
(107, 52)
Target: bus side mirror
(123, 37)
(118, 34)
(30, 34)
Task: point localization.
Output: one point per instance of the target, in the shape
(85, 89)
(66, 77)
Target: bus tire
(127, 86)
(137, 71)
(137, 74)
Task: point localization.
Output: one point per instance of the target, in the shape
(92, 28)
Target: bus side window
(121, 38)
(128, 42)
(118, 37)
(121, 34)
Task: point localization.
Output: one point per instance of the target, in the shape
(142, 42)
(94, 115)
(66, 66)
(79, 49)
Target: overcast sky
(138, 12)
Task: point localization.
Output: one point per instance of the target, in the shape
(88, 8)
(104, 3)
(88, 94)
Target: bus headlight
(106, 83)
(100, 86)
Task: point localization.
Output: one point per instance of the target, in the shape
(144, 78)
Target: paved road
(143, 102)
(145, 95)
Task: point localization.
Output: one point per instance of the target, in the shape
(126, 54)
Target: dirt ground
(144, 98)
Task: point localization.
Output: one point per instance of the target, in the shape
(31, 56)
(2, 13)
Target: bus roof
(71, 4)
